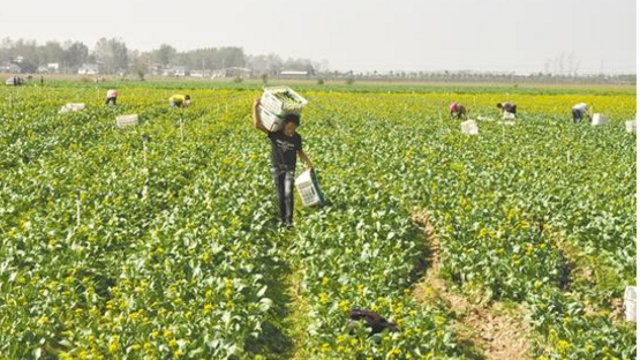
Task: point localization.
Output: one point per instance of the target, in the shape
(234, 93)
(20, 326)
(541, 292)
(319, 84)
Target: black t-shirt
(509, 107)
(284, 149)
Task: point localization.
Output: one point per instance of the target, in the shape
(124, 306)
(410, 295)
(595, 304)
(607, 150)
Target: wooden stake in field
(78, 204)
(145, 139)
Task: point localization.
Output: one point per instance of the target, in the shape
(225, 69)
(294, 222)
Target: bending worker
(457, 110)
(507, 108)
(579, 111)
(112, 97)
(179, 100)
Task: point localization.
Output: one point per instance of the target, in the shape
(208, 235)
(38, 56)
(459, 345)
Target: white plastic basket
(273, 104)
(630, 303)
(508, 116)
(630, 126)
(270, 120)
(71, 107)
(309, 189)
(599, 119)
(469, 127)
(127, 120)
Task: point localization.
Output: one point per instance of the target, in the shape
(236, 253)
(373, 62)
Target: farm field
(514, 244)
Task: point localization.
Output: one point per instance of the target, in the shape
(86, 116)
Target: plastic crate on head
(273, 103)
(270, 120)
(309, 189)
(127, 120)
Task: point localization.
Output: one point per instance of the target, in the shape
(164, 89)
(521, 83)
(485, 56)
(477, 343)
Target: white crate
(469, 127)
(508, 116)
(309, 189)
(630, 126)
(276, 106)
(270, 120)
(71, 107)
(599, 119)
(127, 120)
(630, 303)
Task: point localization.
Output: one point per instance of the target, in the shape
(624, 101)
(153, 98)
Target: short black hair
(187, 97)
(292, 118)
(500, 105)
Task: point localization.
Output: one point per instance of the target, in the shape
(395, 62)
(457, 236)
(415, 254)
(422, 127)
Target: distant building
(200, 74)
(89, 69)
(294, 73)
(53, 67)
(12, 68)
(232, 72)
(156, 69)
(177, 71)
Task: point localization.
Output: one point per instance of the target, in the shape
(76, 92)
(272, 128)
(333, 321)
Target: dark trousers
(111, 101)
(577, 115)
(284, 180)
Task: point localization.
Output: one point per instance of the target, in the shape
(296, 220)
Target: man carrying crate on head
(286, 146)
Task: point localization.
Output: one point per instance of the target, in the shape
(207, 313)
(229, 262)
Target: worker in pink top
(112, 97)
(457, 110)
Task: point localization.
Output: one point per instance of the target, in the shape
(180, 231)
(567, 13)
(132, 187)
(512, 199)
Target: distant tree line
(112, 56)
(484, 77)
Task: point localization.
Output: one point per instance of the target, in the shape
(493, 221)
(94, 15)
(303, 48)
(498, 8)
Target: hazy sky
(359, 35)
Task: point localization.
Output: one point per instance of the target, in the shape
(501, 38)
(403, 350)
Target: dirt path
(498, 331)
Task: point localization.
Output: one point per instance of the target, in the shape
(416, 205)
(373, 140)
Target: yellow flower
(344, 305)
(208, 308)
(393, 352)
(324, 298)
(563, 346)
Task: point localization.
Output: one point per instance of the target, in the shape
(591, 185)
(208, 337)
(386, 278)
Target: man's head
(291, 123)
(187, 99)
(499, 105)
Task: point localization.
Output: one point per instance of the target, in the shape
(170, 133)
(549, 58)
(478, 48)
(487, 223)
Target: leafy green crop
(115, 247)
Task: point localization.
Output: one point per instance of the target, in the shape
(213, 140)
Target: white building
(177, 71)
(53, 67)
(232, 72)
(13, 68)
(294, 73)
(89, 69)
